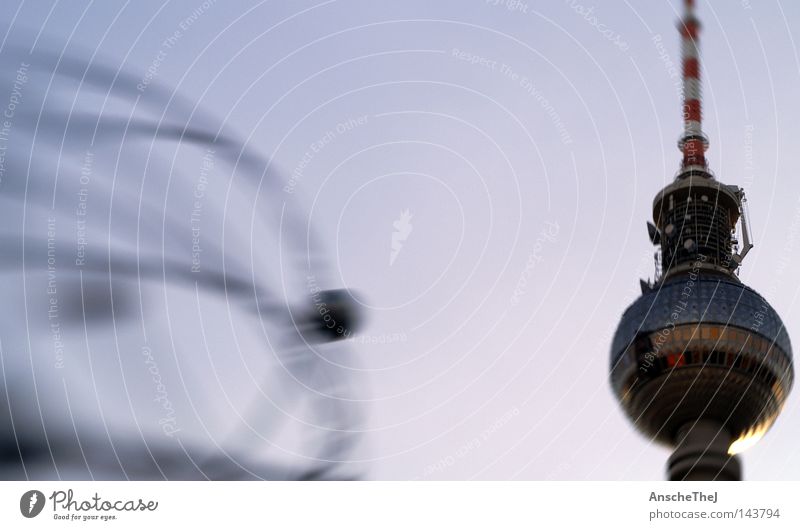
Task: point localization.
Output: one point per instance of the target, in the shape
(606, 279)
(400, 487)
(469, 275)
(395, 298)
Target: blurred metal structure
(149, 330)
(700, 362)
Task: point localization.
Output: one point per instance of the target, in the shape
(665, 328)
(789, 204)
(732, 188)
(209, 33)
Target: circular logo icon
(31, 503)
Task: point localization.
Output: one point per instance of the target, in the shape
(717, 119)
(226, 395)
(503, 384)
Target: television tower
(700, 362)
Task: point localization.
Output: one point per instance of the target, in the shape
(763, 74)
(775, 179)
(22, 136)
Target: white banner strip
(398, 505)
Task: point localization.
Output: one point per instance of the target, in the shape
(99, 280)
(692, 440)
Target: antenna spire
(693, 143)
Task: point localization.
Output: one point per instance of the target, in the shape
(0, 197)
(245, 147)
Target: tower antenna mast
(694, 142)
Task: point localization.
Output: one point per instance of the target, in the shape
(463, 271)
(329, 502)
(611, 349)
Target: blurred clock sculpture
(167, 310)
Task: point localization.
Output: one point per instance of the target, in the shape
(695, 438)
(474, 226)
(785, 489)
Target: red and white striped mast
(693, 143)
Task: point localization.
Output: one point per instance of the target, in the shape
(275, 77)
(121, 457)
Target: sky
(480, 173)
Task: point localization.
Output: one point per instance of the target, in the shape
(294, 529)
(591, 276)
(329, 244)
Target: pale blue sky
(490, 122)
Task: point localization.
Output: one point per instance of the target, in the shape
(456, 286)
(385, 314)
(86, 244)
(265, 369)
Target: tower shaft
(702, 453)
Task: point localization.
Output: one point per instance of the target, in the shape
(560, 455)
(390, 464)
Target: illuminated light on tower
(700, 362)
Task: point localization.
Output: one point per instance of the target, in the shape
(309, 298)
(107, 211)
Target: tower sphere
(701, 346)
